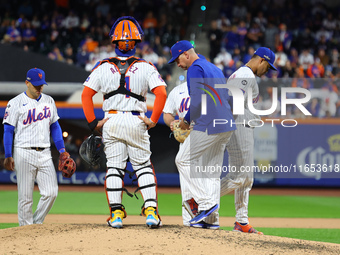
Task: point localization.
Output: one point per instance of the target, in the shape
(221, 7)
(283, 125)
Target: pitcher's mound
(97, 238)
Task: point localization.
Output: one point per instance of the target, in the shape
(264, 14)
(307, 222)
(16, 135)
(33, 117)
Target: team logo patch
(244, 82)
(160, 77)
(40, 75)
(88, 78)
(6, 115)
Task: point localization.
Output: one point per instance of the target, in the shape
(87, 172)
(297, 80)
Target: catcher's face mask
(125, 32)
(91, 150)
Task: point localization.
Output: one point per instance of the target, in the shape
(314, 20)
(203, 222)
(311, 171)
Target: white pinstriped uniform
(125, 136)
(178, 103)
(32, 119)
(241, 146)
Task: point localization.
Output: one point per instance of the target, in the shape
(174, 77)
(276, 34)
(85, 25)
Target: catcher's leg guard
(148, 187)
(114, 187)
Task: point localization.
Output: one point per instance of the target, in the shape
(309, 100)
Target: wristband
(93, 124)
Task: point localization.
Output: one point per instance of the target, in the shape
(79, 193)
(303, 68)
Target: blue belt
(133, 112)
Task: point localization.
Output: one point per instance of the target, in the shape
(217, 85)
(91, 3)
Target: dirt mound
(138, 239)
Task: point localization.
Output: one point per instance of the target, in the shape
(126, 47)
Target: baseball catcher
(66, 165)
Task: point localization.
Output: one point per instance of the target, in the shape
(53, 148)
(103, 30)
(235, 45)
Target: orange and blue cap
(266, 54)
(178, 48)
(36, 76)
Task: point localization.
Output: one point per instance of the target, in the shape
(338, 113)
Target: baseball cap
(178, 48)
(268, 55)
(36, 76)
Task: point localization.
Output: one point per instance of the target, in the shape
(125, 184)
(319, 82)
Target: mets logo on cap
(36, 76)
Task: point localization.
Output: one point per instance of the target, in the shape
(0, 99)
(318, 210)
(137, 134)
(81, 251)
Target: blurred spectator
(94, 57)
(14, 34)
(71, 22)
(103, 8)
(54, 35)
(239, 12)
(82, 56)
(285, 37)
(107, 52)
(324, 59)
(271, 36)
(316, 70)
(329, 23)
(215, 38)
(223, 22)
(55, 54)
(242, 32)
(322, 44)
(150, 24)
(248, 55)
(306, 59)
(85, 23)
(255, 35)
(261, 20)
(231, 39)
(294, 57)
(223, 59)
(164, 69)
(36, 22)
(69, 55)
(314, 107)
(280, 57)
(29, 34)
(149, 55)
(299, 80)
(305, 39)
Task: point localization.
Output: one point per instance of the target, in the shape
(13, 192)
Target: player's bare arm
(169, 120)
(184, 124)
(9, 163)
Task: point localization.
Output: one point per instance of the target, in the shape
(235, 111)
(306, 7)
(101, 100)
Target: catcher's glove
(66, 165)
(180, 134)
(92, 150)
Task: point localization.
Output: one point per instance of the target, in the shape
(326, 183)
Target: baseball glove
(66, 165)
(180, 134)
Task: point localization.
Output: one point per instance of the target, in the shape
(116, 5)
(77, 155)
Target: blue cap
(268, 55)
(36, 76)
(178, 48)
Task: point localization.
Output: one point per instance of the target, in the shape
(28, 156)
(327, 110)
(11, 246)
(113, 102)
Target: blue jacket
(201, 79)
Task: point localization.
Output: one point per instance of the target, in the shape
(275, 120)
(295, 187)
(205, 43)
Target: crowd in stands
(76, 32)
(305, 36)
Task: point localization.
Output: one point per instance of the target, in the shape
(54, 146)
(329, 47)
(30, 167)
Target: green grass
(8, 225)
(312, 234)
(286, 206)
(170, 204)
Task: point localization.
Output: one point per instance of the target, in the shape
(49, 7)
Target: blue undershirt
(56, 134)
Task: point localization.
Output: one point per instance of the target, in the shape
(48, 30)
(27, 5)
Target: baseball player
(178, 103)
(32, 117)
(124, 82)
(241, 145)
(206, 142)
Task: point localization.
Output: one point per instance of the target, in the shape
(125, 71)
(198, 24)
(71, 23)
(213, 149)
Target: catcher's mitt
(92, 150)
(180, 134)
(66, 165)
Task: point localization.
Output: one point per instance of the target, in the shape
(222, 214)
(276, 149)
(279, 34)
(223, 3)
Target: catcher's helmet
(125, 32)
(91, 150)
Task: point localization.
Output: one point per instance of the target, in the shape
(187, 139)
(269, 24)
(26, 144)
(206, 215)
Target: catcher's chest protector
(123, 66)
